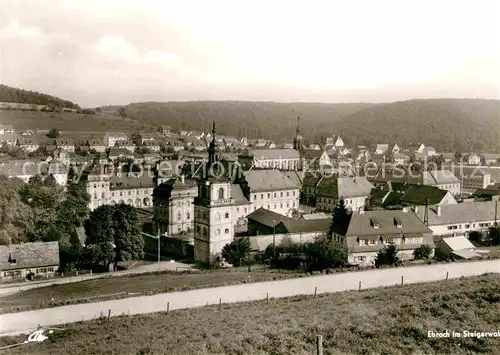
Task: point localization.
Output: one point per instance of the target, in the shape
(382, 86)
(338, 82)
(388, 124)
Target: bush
(422, 252)
(387, 256)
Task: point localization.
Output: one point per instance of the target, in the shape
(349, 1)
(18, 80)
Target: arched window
(179, 216)
(221, 193)
(226, 231)
(226, 216)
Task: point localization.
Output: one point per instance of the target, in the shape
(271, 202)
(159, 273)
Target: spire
(297, 141)
(298, 125)
(213, 129)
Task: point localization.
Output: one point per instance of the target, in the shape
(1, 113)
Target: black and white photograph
(223, 177)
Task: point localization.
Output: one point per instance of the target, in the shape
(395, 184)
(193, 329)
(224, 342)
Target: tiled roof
(268, 180)
(312, 153)
(8, 137)
(467, 212)
(117, 152)
(273, 154)
(130, 182)
(124, 143)
(29, 255)
(27, 141)
(294, 176)
(420, 194)
(64, 142)
(96, 142)
(439, 177)
(346, 187)
(238, 196)
(307, 226)
(469, 171)
(315, 216)
(116, 135)
(267, 218)
(458, 243)
(362, 224)
(153, 143)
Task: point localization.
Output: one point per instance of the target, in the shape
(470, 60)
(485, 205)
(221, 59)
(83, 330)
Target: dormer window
(374, 223)
(398, 222)
(11, 261)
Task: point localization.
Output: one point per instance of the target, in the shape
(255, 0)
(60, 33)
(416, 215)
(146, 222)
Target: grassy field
(69, 121)
(392, 320)
(129, 286)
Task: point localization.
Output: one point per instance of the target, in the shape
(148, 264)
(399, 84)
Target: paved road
(13, 323)
(7, 289)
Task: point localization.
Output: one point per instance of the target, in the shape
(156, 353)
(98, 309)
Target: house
(125, 144)
(395, 149)
(473, 159)
(116, 153)
(266, 227)
(354, 191)
(272, 190)
(165, 129)
(151, 145)
(283, 159)
(401, 159)
(111, 138)
(176, 145)
(448, 157)
(314, 159)
(381, 148)
(18, 261)
(8, 139)
(473, 178)
(460, 218)
(338, 142)
(491, 159)
(27, 143)
(65, 144)
(132, 190)
(315, 216)
(370, 231)
(97, 145)
(428, 151)
(21, 169)
(421, 195)
(314, 146)
(6, 129)
(287, 145)
(173, 205)
(442, 179)
(416, 148)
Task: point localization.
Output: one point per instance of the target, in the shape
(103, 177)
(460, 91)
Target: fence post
(76, 272)
(168, 306)
(109, 314)
(90, 272)
(447, 273)
(315, 291)
(319, 345)
(220, 303)
(267, 298)
(359, 288)
(401, 280)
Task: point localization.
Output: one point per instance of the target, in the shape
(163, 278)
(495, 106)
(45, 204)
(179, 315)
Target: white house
(111, 138)
(381, 148)
(474, 159)
(442, 179)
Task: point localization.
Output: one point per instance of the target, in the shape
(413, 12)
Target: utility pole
(274, 240)
(159, 249)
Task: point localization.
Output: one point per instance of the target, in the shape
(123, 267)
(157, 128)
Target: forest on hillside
(446, 124)
(20, 96)
(451, 125)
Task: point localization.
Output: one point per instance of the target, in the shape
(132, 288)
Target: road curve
(23, 322)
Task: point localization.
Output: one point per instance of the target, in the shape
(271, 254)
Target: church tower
(298, 141)
(213, 209)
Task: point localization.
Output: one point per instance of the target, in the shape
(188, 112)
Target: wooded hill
(20, 96)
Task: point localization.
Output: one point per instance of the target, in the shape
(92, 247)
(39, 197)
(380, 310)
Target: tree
(122, 112)
(387, 256)
(129, 243)
(53, 133)
(100, 247)
(422, 252)
(322, 253)
(494, 235)
(340, 219)
(458, 157)
(476, 237)
(98, 109)
(74, 209)
(237, 251)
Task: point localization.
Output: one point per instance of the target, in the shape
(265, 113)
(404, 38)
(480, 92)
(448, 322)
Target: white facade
(352, 203)
(279, 201)
(281, 164)
(213, 223)
(110, 139)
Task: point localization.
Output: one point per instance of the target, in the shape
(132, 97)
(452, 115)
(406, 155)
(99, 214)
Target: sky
(104, 52)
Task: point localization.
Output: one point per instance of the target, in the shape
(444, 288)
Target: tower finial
(213, 128)
(298, 124)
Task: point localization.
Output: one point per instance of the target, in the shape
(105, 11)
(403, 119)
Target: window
(288, 194)
(237, 210)
(274, 194)
(360, 258)
(103, 195)
(217, 232)
(179, 229)
(179, 216)
(112, 194)
(261, 196)
(372, 242)
(268, 195)
(293, 204)
(226, 215)
(121, 193)
(274, 206)
(188, 215)
(221, 193)
(288, 205)
(95, 186)
(281, 193)
(293, 193)
(129, 192)
(217, 216)
(467, 226)
(226, 231)
(95, 196)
